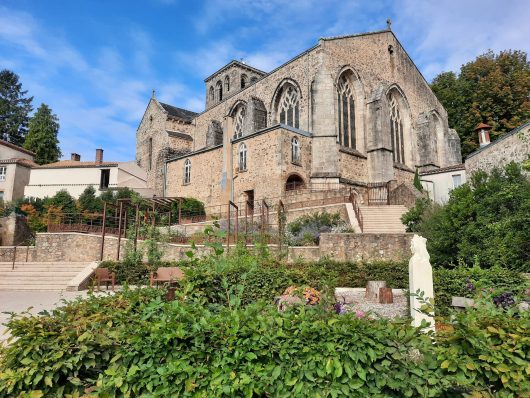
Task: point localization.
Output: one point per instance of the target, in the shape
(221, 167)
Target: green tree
(417, 181)
(89, 202)
(42, 136)
(15, 108)
(494, 89)
(64, 201)
(484, 220)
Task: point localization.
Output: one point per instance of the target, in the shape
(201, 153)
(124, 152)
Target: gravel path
(356, 301)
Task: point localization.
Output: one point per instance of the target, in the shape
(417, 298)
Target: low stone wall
(78, 247)
(366, 247)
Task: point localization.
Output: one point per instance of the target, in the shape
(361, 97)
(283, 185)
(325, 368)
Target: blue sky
(96, 62)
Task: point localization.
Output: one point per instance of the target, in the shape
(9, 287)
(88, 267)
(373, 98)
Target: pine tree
(42, 136)
(14, 108)
(89, 202)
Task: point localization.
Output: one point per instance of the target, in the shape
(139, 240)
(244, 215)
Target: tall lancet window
(288, 107)
(346, 114)
(396, 131)
(239, 120)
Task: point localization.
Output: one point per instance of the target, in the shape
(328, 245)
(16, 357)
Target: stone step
(32, 287)
(37, 277)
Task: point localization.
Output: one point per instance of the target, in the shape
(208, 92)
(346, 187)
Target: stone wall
(365, 247)
(514, 146)
(76, 247)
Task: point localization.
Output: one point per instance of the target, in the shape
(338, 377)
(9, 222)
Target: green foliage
(492, 89)
(486, 218)
(64, 201)
(306, 229)
(131, 272)
(189, 207)
(413, 217)
(42, 136)
(88, 202)
(417, 181)
(15, 108)
(136, 344)
(153, 239)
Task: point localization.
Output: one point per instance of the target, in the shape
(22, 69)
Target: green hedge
(134, 344)
(262, 278)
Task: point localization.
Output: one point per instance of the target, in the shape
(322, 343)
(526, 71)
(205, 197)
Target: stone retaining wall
(78, 247)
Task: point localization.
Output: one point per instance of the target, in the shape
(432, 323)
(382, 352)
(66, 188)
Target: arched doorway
(294, 182)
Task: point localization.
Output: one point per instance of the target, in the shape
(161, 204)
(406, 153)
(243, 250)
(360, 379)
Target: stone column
(378, 143)
(227, 180)
(325, 151)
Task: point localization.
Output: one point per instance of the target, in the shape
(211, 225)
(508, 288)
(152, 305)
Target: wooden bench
(166, 275)
(104, 275)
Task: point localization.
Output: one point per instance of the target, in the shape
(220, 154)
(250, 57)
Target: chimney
(75, 156)
(483, 131)
(99, 156)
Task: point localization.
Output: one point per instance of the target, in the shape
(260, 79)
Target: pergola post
(103, 230)
(119, 232)
(136, 227)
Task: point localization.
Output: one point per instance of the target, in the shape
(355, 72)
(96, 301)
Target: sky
(96, 62)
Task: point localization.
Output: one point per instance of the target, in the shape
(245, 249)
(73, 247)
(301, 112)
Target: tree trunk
(385, 295)
(372, 289)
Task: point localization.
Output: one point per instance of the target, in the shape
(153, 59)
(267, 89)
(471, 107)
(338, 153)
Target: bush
(136, 344)
(486, 218)
(306, 230)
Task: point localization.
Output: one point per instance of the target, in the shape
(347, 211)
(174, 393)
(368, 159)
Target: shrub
(136, 344)
(306, 230)
(486, 218)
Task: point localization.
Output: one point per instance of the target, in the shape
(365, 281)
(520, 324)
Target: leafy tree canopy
(485, 220)
(15, 108)
(493, 89)
(89, 202)
(42, 136)
(64, 201)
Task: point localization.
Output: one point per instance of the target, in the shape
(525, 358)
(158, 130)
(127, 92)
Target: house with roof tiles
(75, 176)
(15, 169)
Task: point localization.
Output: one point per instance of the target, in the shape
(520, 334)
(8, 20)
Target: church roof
(236, 63)
(179, 113)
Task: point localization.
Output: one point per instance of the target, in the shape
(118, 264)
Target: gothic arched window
(187, 171)
(219, 90)
(346, 113)
(244, 80)
(212, 94)
(288, 106)
(227, 84)
(396, 131)
(239, 120)
(242, 157)
(295, 150)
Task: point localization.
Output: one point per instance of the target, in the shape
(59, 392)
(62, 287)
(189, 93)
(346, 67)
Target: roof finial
(153, 94)
(388, 24)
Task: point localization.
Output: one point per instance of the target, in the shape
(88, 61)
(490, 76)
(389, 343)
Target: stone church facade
(349, 111)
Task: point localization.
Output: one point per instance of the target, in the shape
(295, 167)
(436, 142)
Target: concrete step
(39, 275)
(383, 219)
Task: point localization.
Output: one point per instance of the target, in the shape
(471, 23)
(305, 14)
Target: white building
(15, 169)
(75, 176)
(438, 183)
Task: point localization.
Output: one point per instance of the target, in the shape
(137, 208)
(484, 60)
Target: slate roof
(454, 167)
(179, 113)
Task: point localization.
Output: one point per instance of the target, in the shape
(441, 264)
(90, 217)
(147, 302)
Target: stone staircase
(383, 219)
(38, 276)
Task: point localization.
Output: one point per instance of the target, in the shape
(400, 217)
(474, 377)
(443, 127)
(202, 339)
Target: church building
(349, 111)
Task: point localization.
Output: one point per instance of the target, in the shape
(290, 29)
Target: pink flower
(359, 314)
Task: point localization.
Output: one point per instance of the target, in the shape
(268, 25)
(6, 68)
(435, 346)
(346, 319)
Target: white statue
(420, 279)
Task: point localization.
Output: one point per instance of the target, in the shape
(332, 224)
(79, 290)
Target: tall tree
(14, 108)
(42, 136)
(494, 89)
